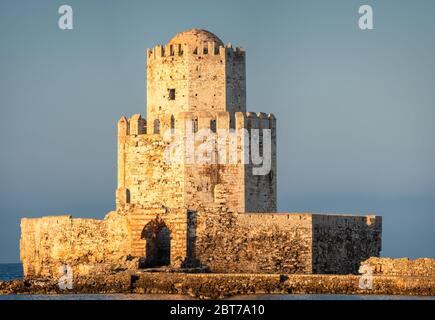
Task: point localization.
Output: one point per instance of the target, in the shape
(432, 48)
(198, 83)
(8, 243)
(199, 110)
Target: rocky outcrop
(206, 286)
(423, 267)
(225, 285)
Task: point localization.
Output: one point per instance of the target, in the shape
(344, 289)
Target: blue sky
(355, 108)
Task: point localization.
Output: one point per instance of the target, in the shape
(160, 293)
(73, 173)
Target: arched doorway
(158, 244)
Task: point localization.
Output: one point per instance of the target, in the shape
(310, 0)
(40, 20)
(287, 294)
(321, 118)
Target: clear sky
(355, 109)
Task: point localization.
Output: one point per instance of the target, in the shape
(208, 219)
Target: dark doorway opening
(158, 244)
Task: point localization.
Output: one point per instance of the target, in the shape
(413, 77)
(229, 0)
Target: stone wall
(275, 243)
(146, 178)
(424, 267)
(214, 237)
(341, 242)
(235, 66)
(146, 222)
(285, 242)
(164, 72)
(228, 242)
(87, 245)
(206, 77)
(260, 189)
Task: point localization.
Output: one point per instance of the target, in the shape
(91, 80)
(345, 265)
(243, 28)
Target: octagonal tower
(194, 72)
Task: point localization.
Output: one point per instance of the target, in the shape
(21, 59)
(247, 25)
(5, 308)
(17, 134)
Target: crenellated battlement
(180, 50)
(136, 125)
(200, 120)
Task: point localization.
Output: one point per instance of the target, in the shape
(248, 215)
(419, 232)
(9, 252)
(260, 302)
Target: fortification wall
(213, 237)
(403, 267)
(86, 245)
(285, 242)
(145, 179)
(342, 242)
(228, 242)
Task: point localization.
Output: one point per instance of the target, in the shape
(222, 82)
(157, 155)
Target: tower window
(171, 94)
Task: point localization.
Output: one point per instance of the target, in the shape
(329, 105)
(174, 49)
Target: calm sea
(11, 271)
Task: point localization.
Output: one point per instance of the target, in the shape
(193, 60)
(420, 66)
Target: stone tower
(194, 72)
(194, 78)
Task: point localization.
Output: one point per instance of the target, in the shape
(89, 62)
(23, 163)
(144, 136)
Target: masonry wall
(285, 242)
(342, 242)
(260, 188)
(142, 221)
(206, 78)
(235, 66)
(228, 242)
(214, 237)
(166, 71)
(87, 245)
(146, 178)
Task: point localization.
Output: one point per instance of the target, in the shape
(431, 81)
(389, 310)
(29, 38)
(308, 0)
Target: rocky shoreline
(217, 286)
